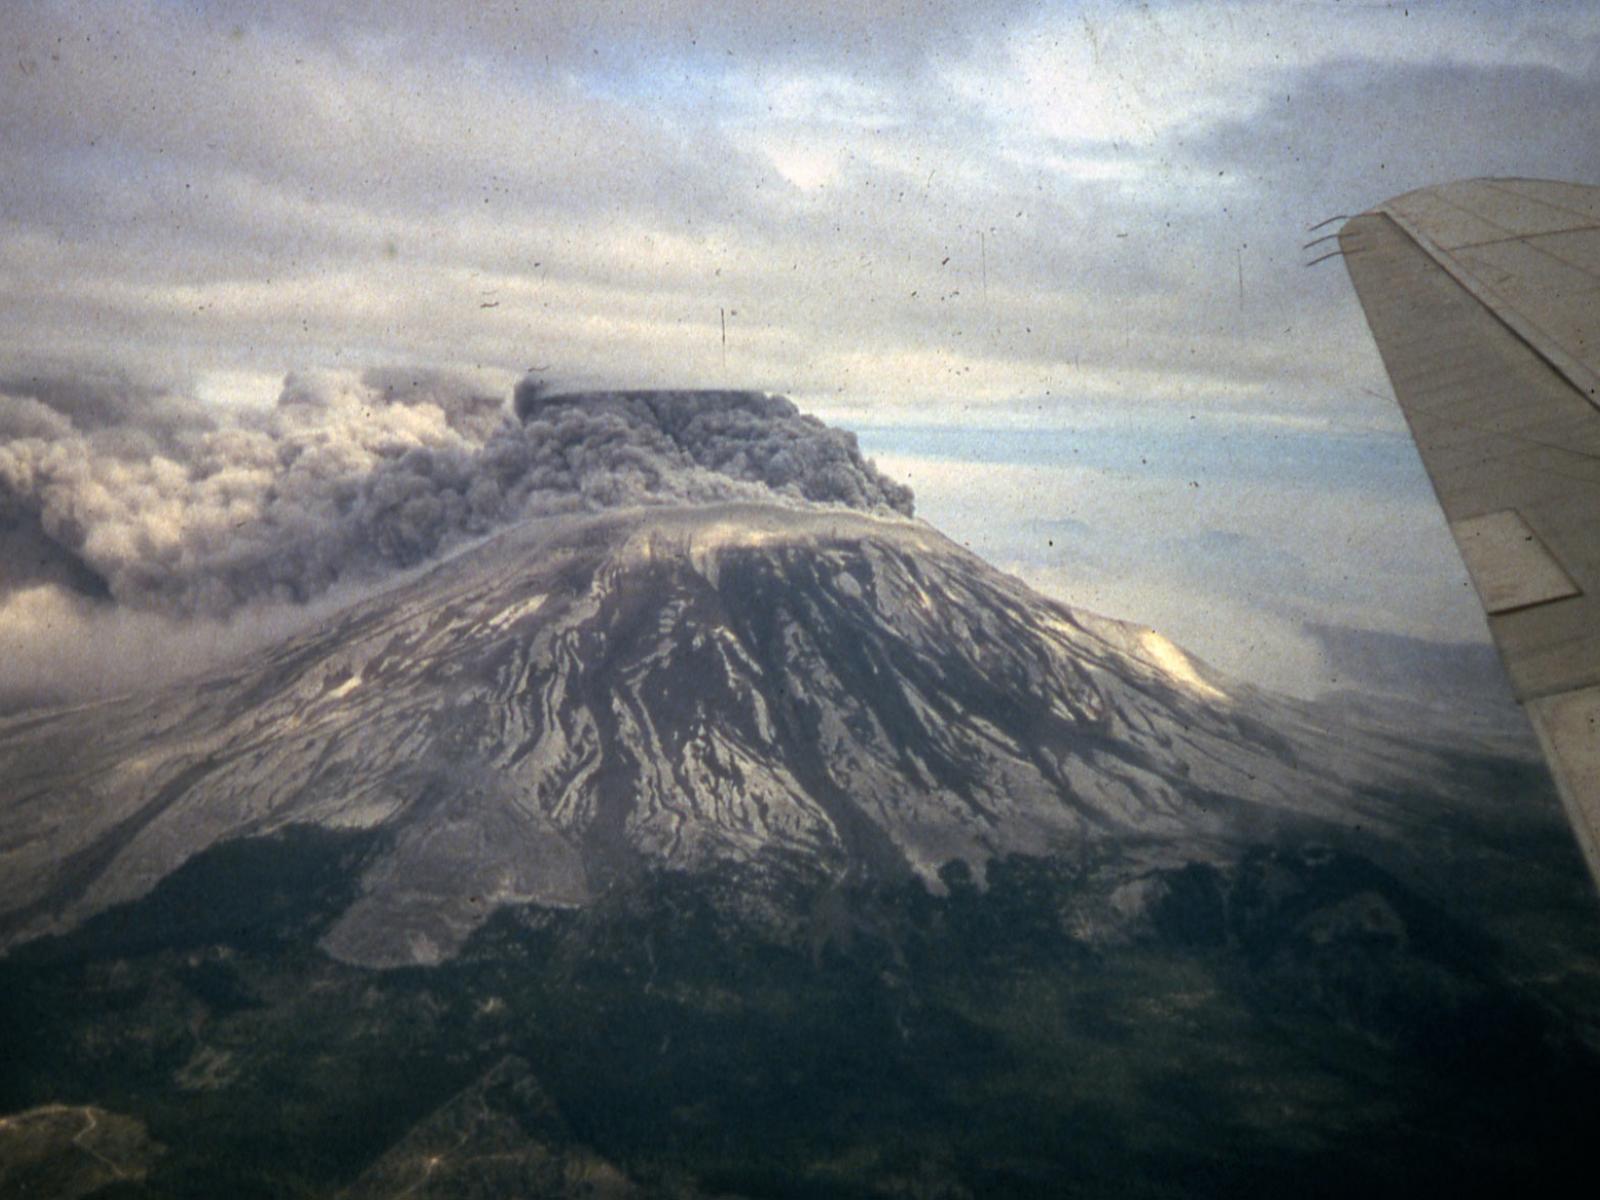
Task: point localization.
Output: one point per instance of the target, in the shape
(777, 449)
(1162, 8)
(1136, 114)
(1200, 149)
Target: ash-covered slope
(804, 689)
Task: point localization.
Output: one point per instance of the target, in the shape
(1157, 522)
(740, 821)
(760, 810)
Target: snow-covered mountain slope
(804, 687)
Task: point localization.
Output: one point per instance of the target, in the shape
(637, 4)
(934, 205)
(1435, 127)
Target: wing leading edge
(1484, 299)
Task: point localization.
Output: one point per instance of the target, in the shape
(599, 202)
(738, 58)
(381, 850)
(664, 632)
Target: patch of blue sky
(1370, 463)
(680, 83)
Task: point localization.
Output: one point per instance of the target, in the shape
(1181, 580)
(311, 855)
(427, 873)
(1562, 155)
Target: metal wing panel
(1527, 250)
(1498, 429)
(1493, 357)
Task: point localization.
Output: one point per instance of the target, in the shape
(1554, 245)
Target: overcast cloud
(1045, 216)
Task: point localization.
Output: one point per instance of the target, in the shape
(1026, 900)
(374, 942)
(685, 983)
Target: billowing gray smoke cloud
(747, 436)
(167, 506)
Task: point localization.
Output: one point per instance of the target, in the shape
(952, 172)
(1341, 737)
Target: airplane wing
(1484, 299)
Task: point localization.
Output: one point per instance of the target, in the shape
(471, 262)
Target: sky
(1045, 258)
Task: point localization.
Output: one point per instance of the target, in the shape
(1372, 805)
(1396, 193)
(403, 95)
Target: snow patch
(344, 689)
(516, 612)
(1176, 664)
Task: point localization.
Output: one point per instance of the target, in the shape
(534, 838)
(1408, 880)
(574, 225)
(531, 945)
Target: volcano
(584, 697)
(771, 848)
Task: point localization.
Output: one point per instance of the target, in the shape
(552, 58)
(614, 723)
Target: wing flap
(1508, 563)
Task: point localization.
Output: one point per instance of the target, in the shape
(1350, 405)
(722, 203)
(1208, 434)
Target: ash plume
(144, 495)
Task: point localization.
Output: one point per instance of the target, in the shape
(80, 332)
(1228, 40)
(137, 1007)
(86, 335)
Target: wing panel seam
(1585, 381)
